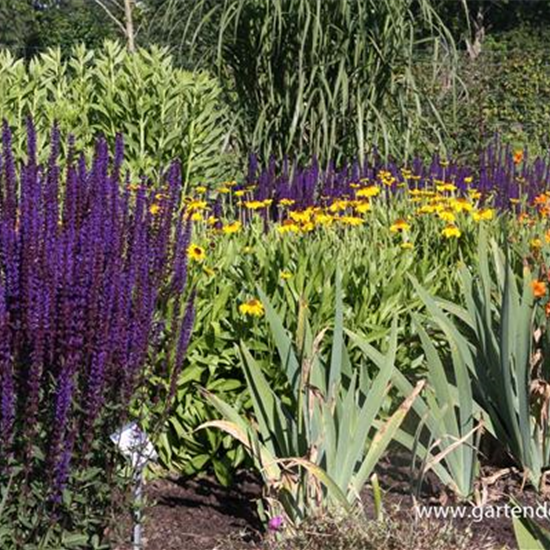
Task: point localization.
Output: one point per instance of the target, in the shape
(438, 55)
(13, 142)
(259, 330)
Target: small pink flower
(275, 523)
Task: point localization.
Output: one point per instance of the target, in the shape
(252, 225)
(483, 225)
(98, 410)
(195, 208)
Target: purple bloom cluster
(85, 257)
(497, 175)
(275, 523)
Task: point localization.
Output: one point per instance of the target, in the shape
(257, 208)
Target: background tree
(31, 26)
(17, 25)
(122, 13)
(172, 23)
(497, 16)
(65, 23)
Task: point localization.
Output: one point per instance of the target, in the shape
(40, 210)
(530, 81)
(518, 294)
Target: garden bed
(204, 515)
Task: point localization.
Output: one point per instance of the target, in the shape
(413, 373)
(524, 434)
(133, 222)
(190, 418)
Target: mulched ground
(499, 485)
(202, 515)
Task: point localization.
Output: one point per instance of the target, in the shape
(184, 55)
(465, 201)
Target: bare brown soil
(202, 515)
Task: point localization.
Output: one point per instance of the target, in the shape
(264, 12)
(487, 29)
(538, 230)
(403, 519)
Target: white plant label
(134, 444)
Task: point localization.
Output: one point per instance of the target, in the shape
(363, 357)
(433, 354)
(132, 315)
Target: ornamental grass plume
(84, 263)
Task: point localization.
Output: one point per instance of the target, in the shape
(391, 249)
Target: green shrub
(163, 112)
(505, 91)
(513, 85)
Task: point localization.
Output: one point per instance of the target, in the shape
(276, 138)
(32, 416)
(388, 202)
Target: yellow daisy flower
(155, 209)
(337, 206)
(324, 219)
(288, 228)
(301, 216)
(196, 253)
(399, 225)
(447, 216)
(253, 308)
(352, 220)
(461, 205)
(231, 228)
(196, 205)
(474, 194)
(306, 227)
(483, 215)
(451, 231)
(370, 191)
(363, 207)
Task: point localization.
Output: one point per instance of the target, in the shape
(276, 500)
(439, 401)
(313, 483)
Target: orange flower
(540, 199)
(518, 156)
(539, 288)
(547, 309)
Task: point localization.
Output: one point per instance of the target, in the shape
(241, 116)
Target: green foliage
(376, 288)
(514, 88)
(497, 16)
(327, 78)
(505, 91)
(529, 535)
(17, 22)
(166, 23)
(448, 420)
(28, 27)
(68, 23)
(164, 113)
(93, 497)
(316, 446)
(496, 346)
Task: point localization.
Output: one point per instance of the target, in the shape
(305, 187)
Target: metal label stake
(136, 446)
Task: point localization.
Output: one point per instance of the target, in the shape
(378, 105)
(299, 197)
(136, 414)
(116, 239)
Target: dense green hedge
(163, 111)
(504, 91)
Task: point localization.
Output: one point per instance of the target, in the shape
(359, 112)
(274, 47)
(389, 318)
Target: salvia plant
(317, 446)
(86, 256)
(505, 177)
